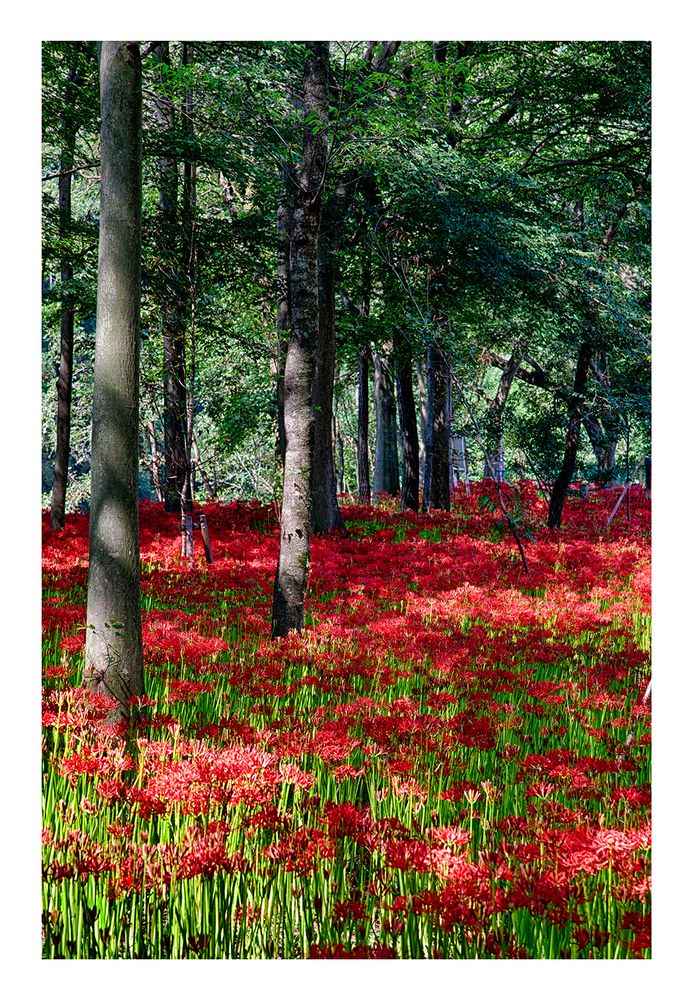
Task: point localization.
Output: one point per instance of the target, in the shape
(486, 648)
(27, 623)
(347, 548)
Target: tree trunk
(493, 460)
(326, 515)
(438, 428)
(114, 632)
(603, 441)
(575, 416)
(386, 475)
(283, 314)
(171, 298)
(363, 461)
(603, 424)
(338, 439)
(407, 423)
(189, 269)
(424, 435)
(294, 550)
(67, 309)
(209, 485)
(585, 358)
(156, 478)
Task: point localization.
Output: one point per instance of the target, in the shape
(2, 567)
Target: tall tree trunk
(209, 485)
(283, 313)
(67, 308)
(338, 439)
(155, 461)
(603, 438)
(424, 436)
(294, 549)
(575, 415)
(171, 297)
(585, 356)
(407, 423)
(603, 424)
(439, 428)
(386, 474)
(326, 515)
(363, 464)
(363, 461)
(189, 269)
(493, 460)
(114, 631)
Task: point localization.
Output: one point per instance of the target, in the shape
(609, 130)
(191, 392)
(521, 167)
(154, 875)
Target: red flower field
(452, 761)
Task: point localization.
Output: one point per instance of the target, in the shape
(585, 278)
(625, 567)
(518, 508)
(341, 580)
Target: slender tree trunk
(67, 309)
(386, 474)
(424, 436)
(584, 362)
(338, 439)
(294, 550)
(603, 424)
(363, 464)
(155, 461)
(189, 269)
(493, 461)
(283, 314)
(575, 416)
(114, 631)
(604, 442)
(439, 428)
(209, 485)
(363, 460)
(326, 515)
(171, 296)
(407, 423)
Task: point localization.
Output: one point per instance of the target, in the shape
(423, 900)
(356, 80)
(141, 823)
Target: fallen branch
(619, 502)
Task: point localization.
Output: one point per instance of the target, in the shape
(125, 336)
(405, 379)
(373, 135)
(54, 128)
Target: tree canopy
(482, 180)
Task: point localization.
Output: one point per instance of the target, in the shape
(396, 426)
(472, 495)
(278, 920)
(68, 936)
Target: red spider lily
(350, 909)
(301, 851)
(432, 667)
(409, 855)
(358, 951)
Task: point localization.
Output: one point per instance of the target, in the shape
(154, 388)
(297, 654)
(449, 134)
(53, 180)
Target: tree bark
(209, 485)
(294, 551)
(67, 308)
(283, 312)
(363, 461)
(603, 424)
(603, 438)
(585, 359)
(493, 461)
(114, 633)
(386, 474)
(189, 270)
(424, 436)
(438, 428)
(407, 423)
(338, 439)
(326, 515)
(575, 415)
(171, 298)
(155, 461)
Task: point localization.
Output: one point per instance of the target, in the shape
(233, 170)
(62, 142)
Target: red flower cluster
(441, 757)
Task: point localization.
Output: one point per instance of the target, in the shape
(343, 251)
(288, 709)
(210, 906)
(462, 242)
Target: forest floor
(453, 760)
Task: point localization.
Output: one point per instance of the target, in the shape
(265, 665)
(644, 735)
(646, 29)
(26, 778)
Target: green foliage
(482, 182)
